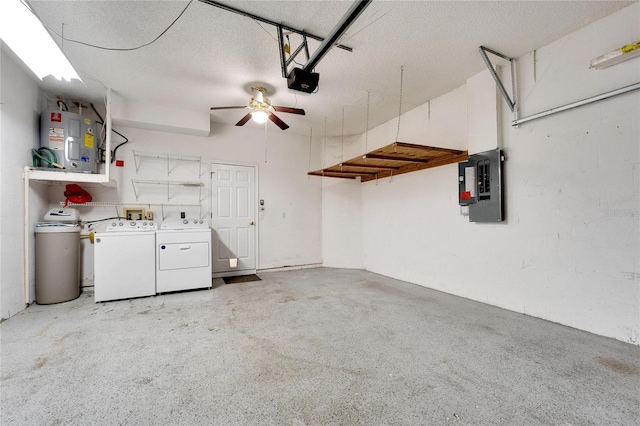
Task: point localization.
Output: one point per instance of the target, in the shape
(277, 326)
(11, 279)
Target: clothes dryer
(183, 255)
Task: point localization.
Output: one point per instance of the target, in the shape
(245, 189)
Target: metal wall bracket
(483, 52)
(282, 43)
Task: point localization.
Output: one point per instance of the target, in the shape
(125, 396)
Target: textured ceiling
(210, 57)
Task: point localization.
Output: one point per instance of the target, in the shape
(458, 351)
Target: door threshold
(233, 273)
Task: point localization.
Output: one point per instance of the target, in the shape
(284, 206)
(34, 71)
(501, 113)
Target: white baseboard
(291, 268)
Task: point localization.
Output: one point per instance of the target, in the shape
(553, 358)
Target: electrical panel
(480, 186)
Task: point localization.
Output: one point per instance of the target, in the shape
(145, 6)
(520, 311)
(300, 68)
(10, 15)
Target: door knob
(252, 223)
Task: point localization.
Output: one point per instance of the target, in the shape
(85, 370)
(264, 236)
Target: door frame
(256, 188)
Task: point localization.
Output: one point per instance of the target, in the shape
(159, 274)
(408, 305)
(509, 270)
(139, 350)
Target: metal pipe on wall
(572, 105)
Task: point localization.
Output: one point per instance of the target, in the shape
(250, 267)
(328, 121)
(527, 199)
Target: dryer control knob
(201, 221)
(144, 223)
(133, 223)
(121, 223)
(185, 221)
(113, 224)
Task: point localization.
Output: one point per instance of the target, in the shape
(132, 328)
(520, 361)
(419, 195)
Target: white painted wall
(291, 226)
(346, 237)
(482, 112)
(569, 250)
(289, 230)
(341, 207)
(146, 115)
(19, 118)
(342, 223)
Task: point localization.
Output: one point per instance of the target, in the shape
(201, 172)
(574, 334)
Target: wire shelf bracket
(168, 183)
(137, 156)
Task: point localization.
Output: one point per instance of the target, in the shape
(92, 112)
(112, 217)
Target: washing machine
(183, 255)
(124, 260)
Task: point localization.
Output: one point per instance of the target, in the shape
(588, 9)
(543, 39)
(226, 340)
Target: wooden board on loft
(392, 160)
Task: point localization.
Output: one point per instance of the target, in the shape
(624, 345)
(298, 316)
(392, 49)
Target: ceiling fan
(261, 109)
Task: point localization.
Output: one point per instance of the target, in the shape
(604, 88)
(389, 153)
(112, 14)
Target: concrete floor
(315, 346)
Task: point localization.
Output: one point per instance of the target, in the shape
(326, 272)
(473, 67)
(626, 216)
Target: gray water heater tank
(73, 138)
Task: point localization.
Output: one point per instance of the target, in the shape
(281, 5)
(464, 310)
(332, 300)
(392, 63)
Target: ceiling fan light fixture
(260, 117)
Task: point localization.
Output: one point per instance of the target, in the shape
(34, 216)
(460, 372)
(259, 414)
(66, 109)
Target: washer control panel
(123, 225)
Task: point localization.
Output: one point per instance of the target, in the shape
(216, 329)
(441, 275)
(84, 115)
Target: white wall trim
(291, 268)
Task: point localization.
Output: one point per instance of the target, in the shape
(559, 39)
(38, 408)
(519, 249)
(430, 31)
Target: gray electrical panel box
(480, 186)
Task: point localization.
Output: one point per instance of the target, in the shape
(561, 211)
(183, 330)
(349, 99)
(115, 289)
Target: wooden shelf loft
(392, 160)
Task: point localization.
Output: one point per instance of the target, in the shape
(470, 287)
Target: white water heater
(73, 138)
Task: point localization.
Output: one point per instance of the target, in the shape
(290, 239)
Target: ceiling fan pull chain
(265, 143)
(400, 107)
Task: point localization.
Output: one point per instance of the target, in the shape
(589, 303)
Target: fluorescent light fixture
(25, 34)
(260, 116)
(619, 55)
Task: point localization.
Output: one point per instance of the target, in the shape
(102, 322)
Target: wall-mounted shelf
(120, 204)
(112, 204)
(48, 176)
(392, 160)
(169, 158)
(168, 183)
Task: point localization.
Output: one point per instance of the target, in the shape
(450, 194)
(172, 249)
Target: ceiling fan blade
(278, 122)
(228, 107)
(244, 120)
(289, 110)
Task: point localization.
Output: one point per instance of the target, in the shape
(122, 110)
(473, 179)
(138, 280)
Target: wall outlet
(134, 213)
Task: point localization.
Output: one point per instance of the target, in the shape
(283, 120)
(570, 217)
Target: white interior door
(233, 219)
